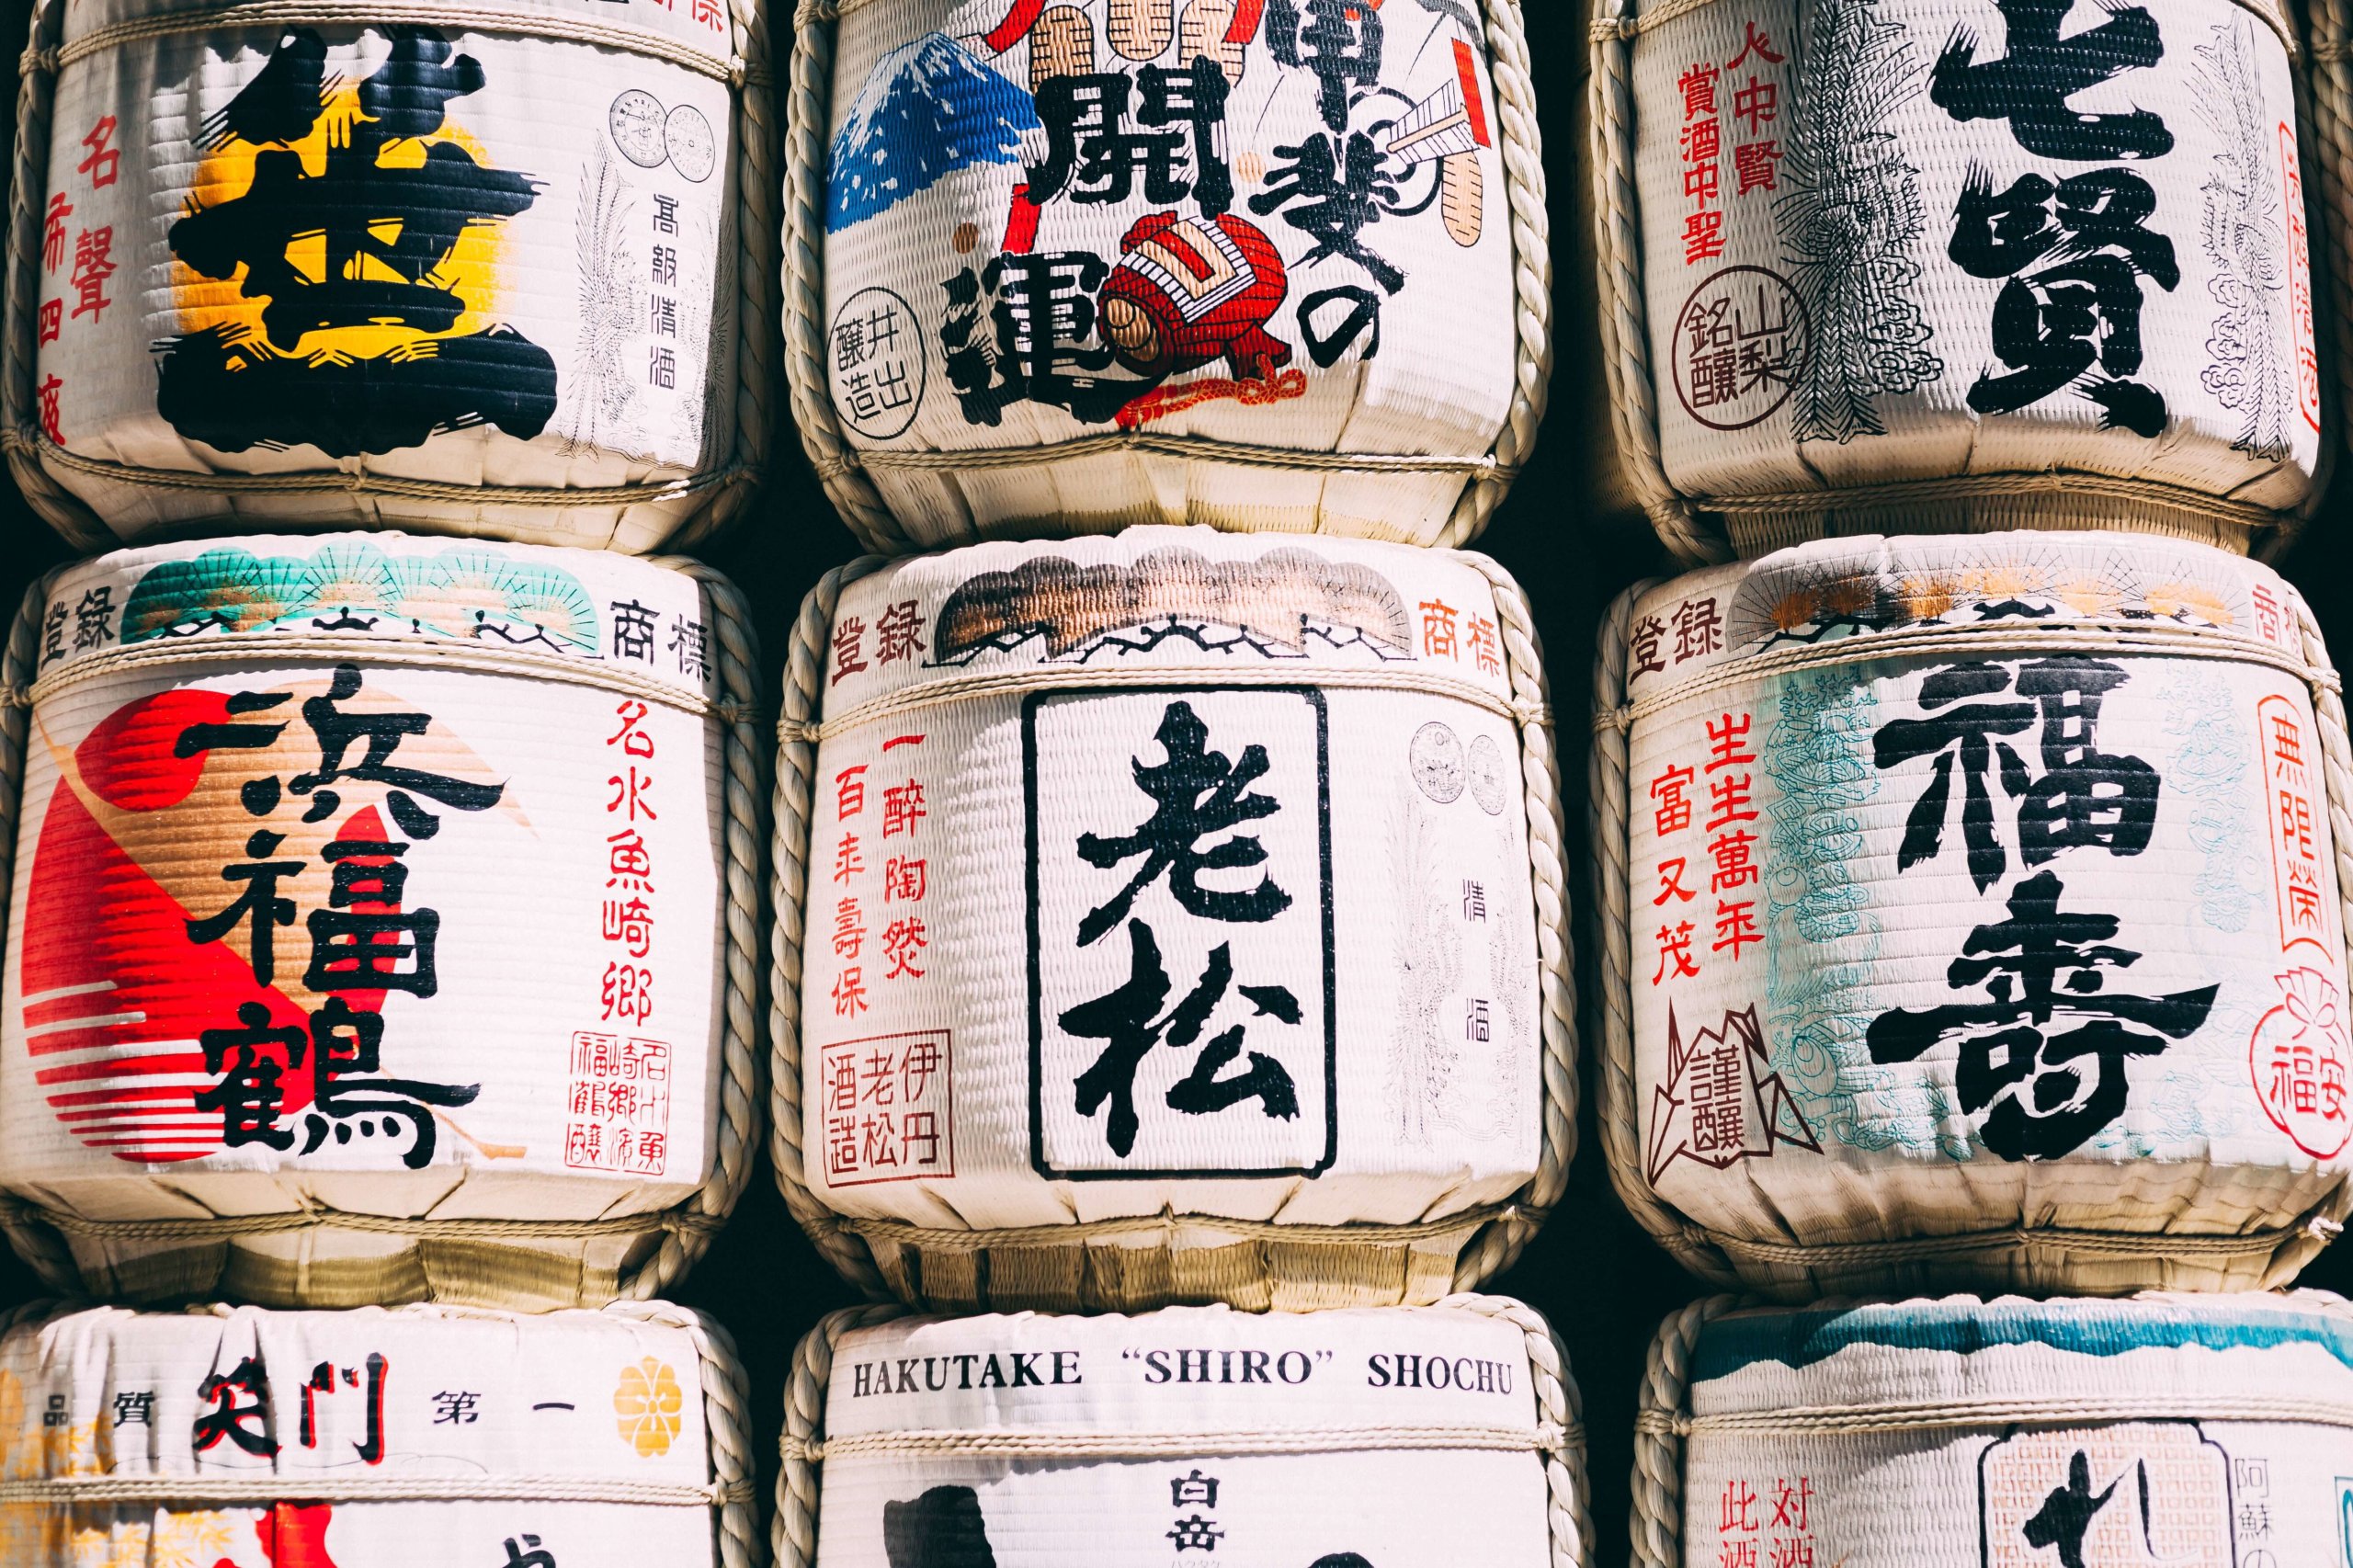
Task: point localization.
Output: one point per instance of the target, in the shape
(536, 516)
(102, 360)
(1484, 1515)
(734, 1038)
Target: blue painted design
(926, 110)
(1800, 1339)
(2208, 769)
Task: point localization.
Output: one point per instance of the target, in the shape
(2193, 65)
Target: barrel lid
(706, 26)
(578, 606)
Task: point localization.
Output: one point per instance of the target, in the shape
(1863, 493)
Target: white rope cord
(39, 1232)
(713, 497)
(462, 656)
(1615, 27)
(327, 1486)
(1059, 1443)
(1498, 1232)
(1656, 1523)
(548, 24)
(2163, 639)
(1558, 1413)
(1931, 1416)
(1067, 677)
(1710, 1254)
(843, 468)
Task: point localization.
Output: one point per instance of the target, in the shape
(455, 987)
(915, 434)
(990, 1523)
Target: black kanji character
(1093, 153)
(1195, 793)
(1041, 308)
(2086, 797)
(338, 730)
(1341, 187)
(260, 904)
(244, 1424)
(387, 216)
(1965, 733)
(362, 939)
(2083, 309)
(1123, 1020)
(537, 1557)
(2029, 85)
(2047, 1094)
(252, 1091)
(259, 795)
(1340, 42)
(2065, 1517)
(347, 1054)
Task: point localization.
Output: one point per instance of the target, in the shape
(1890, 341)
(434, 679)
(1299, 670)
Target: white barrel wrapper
(1175, 871)
(1098, 245)
(378, 875)
(1323, 1440)
(526, 279)
(243, 1439)
(1977, 886)
(2006, 1434)
(1916, 241)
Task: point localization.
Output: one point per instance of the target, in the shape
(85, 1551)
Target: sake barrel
(2010, 1432)
(1242, 975)
(1059, 269)
(1410, 1437)
(1936, 265)
(507, 272)
(384, 920)
(237, 1437)
(1972, 913)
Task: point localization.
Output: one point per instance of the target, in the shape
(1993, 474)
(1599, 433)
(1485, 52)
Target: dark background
(1599, 1279)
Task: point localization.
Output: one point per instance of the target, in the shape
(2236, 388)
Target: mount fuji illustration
(926, 110)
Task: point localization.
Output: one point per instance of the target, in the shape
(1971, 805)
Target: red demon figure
(1188, 289)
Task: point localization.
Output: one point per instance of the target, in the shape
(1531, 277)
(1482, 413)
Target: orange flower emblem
(649, 1402)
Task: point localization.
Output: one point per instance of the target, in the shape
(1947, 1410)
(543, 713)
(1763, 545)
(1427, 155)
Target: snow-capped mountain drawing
(926, 110)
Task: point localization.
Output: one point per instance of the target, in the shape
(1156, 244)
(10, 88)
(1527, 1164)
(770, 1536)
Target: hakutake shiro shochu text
(1332, 1440)
(1959, 266)
(237, 1438)
(381, 923)
(1973, 916)
(508, 271)
(1057, 269)
(2010, 1432)
(1176, 916)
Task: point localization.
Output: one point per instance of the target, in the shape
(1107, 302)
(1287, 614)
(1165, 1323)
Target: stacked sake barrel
(510, 274)
(1414, 1435)
(2155, 1429)
(244, 1439)
(1931, 268)
(1067, 267)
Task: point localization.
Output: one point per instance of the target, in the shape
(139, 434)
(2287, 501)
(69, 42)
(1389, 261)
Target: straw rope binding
(1499, 1233)
(40, 1233)
(722, 493)
(843, 468)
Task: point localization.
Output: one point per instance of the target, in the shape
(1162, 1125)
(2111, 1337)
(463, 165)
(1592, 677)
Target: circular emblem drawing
(875, 359)
(687, 135)
(1741, 342)
(1487, 785)
(1436, 758)
(637, 124)
(2299, 1058)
